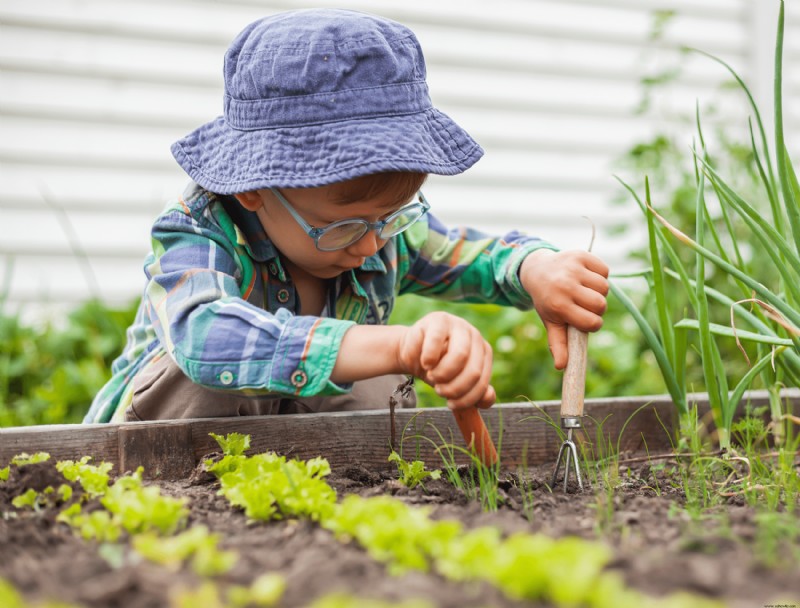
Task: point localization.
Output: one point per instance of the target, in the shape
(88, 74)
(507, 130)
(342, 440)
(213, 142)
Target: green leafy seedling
(196, 545)
(25, 459)
(29, 499)
(233, 444)
(93, 478)
(412, 473)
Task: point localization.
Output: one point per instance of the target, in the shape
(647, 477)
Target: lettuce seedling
(29, 499)
(343, 600)
(404, 537)
(267, 590)
(93, 479)
(413, 473)
(25, 459)
(142, 509)
(4, 472)
(97, 525)
(195, 544)
(268, 486)
(465, 557)
(233, 444)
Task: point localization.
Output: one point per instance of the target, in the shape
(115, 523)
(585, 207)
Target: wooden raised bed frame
(171, 449)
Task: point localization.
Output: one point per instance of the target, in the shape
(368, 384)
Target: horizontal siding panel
(92, 94)
(37, 182)
(217, 22)
(62, 279)
(72, 232)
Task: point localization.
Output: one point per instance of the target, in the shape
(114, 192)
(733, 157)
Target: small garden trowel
(476, 435)
(573, 388)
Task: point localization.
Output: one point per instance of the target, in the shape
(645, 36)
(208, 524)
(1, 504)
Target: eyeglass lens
(347, 233)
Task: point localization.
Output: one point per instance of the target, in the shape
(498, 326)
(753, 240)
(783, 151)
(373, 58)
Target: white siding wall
(93, 92)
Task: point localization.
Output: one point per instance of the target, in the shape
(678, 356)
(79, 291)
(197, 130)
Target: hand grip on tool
(475, 433)
(573, 384)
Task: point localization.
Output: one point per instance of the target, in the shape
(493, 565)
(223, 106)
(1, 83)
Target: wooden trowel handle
(476, 434)
(573, 386)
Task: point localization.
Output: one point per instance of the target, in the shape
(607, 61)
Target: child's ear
(249, 200)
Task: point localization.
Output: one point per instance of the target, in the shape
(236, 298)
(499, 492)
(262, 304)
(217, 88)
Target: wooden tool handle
(573, 385)
(475, 433)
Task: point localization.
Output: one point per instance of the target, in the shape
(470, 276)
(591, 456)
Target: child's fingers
(590, 301)
(595, 264)
(557, 341)
(596, 282)
(469, 386)
(435, 342)
(452, 362)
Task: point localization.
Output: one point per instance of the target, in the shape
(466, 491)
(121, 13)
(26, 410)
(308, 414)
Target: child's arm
(444, 350)
(568, 288)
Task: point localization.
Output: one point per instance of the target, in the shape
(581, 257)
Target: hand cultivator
(572, 393)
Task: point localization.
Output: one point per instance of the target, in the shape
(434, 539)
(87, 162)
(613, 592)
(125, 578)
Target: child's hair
(399, 185)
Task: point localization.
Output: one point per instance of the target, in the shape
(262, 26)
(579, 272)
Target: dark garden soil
(657, 546)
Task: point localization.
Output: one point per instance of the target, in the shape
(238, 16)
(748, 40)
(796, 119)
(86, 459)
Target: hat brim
(228, 161)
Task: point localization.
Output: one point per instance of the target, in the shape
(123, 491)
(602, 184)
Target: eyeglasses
(344, 233)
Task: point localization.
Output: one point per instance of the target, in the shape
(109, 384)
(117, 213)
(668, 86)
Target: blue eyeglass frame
(317, 233)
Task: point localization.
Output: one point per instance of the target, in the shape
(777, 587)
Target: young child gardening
(271, 279)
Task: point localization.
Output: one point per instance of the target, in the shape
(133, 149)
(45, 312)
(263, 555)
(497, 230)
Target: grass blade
(759, 288)
(709, 358)
(677, 391)
(746, 381)
(728, 332)
(781, 154)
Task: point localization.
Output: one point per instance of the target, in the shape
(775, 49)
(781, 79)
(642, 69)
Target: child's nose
(367, 245)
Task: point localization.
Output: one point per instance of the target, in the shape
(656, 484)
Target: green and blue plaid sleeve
(463, 264)
(195, 296)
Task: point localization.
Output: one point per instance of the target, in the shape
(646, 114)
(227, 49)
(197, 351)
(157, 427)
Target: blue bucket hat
(314, 97)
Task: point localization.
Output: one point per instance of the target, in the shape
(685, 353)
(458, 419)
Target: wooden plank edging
(170, 449)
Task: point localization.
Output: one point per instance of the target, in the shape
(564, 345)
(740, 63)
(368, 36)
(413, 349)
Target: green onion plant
(765, 317)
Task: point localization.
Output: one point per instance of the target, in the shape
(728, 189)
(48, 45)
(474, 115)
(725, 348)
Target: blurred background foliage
(50, 371)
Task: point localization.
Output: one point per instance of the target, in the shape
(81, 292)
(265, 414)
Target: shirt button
(273, 268)
(283, 296)
(226, 378)
(299, 378)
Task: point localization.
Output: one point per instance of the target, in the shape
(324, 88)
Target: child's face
(318, 207)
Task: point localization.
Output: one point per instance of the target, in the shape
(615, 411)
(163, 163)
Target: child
(272, 278)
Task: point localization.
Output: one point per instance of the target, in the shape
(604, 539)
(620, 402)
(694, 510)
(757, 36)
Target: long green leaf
(781, 153)
(665, 244)
(728, 332)
(786, 260)
(709, 361)
(745, 382)
(677, 392)
(774, 205)
(790, 360)
(759, 288)
(756, 112)
(664, 322)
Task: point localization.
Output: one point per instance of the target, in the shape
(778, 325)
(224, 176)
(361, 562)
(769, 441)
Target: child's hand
(451, 355)
(568, 288)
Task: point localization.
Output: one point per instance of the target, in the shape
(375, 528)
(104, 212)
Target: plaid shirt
(218, 300)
